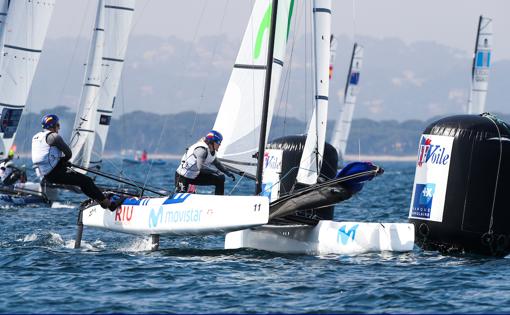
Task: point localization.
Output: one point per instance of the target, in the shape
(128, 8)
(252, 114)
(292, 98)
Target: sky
(449, 22)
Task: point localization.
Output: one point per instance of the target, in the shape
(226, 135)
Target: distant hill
(399, 80)
(174, 132)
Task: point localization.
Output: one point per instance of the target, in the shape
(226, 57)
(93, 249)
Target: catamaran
(101, 81)
(269, 220)
(481, 66)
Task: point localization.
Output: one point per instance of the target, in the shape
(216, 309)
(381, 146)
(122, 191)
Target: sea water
(40, 272)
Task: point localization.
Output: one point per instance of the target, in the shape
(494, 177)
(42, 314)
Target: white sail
(481, 65)
(239, 117)
(343, 125)
(118, 16)
(311, 161)
(23, 37)
(4, 7)
(83, 135)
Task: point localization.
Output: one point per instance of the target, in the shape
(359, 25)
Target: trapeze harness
(188, 167)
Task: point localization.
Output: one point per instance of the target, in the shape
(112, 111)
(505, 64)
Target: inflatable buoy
(460, 186)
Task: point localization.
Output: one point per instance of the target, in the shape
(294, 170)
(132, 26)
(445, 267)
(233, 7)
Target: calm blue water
(112, 273)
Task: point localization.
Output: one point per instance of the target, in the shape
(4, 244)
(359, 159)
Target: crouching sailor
(195, 167)
(47, 150)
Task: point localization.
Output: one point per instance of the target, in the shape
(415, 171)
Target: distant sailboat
(342, 127)
(481, 67)
(101, 81)
(23, 27)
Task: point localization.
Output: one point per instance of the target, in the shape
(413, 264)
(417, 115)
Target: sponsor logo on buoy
(432, 153)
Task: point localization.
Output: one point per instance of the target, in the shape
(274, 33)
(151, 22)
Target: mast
(267, 90)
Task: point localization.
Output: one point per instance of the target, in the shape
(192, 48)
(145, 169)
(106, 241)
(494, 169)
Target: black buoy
(459, 195)
(292, 147)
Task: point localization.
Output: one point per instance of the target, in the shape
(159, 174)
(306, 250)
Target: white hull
(181, 214)
(327, 237)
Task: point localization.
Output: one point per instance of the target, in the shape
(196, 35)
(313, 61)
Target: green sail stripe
(264, 25)
(291, 10)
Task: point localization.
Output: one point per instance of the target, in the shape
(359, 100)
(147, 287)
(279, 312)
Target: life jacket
(5, 169)
(188, 167)
(44, 156)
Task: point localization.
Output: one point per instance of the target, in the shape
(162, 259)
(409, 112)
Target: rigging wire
(206, 82)
(491, 223)
(187, 56)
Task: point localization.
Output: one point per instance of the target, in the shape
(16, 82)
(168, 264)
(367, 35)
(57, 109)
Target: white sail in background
(239, 117)
(4, 7)
(343, 125)
(481, 65)
(23, 37)
(83, 135)
(118, 16)
(311, 161)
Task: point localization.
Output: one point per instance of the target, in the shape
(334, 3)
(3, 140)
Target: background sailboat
(481, 66)
(102, 76)
(22, 37)
(342, 127)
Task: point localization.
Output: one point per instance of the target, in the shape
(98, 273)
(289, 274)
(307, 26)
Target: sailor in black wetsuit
(47, 149)
(195, 167)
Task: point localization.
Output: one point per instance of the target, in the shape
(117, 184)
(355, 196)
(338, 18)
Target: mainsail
(343, 124)
(311, 161)
(481, 65)
(82, 138)
(22, 38)
(118, 15)
(239, 117)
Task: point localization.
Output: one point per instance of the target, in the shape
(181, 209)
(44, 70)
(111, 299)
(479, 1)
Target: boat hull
(327, 237)
(180, 214)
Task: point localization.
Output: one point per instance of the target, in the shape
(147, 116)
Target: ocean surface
(40, 272)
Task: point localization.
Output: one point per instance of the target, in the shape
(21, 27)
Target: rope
(491, 223)
(206, 83)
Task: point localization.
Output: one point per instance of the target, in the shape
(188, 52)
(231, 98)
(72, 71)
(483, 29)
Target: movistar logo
(344, 235)
(155, 218)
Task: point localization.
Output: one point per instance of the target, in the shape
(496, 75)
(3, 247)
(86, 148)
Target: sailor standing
(47, 150)
(195, 167)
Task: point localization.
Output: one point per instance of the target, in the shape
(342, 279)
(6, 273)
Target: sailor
(50, 156)
(195, 167)
(10, 173)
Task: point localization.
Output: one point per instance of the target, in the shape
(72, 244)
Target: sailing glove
(231, 176)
